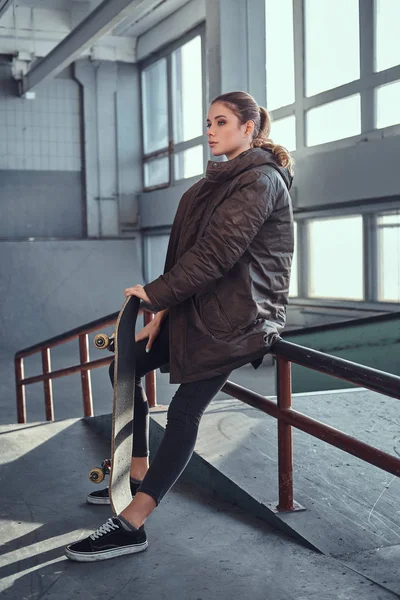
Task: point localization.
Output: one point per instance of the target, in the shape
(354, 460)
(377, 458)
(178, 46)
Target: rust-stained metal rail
(84, 367)
(287, 352)
(284, 352)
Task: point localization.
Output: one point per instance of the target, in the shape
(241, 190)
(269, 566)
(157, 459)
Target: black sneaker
(99, 497)
(103, 496)
(108, 541)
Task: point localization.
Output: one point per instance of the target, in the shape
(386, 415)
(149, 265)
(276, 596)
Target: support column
(99, 91)
(367, 55)
(106, 102)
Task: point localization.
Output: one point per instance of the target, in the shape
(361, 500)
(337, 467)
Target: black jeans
(183, 418)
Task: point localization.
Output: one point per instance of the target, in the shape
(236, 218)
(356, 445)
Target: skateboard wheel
(96, 475)
(101, 340)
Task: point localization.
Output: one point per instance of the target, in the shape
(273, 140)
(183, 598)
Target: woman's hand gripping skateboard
(152, 329)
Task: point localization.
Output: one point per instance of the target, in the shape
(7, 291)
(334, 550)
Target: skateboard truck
(97, 474)
(102, 341)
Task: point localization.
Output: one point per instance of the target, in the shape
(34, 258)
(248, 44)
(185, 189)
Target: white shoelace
(108, 526)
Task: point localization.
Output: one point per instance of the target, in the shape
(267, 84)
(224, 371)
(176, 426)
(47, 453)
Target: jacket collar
(250, 159)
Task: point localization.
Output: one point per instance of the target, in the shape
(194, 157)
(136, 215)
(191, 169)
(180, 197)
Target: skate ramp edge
(351, 507)
(200, 472)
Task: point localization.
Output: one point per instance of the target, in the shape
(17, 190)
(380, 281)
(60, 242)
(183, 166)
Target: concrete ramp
(200, 548)
(352, 508)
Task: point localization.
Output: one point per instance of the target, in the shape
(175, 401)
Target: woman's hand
(151, 331)
(138, 291)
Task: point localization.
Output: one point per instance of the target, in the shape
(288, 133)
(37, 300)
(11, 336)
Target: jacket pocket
(213, 316)
(234, 295)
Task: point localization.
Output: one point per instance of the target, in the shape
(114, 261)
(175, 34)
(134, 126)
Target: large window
(332, 70)
(173, 114)
(331, 44)
(389, 257)
(155, 122)
(388, 104)
(348, 258)
(387, 46)
(279, 53)
(156, 172)
(283, 132)
(332, 77)
(187, 91)
(155, 106)
(334, 121)
(336, 258)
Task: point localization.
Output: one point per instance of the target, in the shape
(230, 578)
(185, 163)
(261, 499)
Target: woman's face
(226, 135)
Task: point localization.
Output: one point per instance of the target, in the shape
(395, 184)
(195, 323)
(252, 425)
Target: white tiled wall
(41, 134)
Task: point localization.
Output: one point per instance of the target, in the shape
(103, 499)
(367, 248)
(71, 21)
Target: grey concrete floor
(351, 507)
(199, 547)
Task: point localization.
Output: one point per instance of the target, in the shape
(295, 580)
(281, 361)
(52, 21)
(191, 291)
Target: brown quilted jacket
(227, 270)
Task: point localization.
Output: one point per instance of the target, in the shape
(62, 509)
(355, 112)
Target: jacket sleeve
(229, 233)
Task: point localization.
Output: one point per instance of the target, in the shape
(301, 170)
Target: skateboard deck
(123, 405)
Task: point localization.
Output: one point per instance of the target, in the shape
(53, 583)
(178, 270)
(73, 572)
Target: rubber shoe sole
(95, 500)
(105, 554)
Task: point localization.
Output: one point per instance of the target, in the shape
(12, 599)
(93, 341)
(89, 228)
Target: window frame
(369, 81)
(172, 149)
(369, 210)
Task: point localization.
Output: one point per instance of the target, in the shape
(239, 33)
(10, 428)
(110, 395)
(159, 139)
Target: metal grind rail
(84, 367)
(360, 375)
(287, 417)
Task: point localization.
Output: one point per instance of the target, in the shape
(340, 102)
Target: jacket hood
(250, 159)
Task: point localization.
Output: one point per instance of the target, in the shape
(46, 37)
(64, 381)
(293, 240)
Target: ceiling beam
(4, 4)
(96, 25)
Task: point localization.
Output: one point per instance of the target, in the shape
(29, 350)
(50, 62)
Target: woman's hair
(246, 109)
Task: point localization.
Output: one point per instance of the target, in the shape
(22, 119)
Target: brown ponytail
(246, 109)
(262, 140)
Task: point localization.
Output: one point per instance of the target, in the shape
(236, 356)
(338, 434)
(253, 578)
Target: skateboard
(123, 344)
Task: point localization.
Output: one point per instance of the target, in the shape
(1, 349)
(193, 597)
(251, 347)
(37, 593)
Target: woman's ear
(249, 129)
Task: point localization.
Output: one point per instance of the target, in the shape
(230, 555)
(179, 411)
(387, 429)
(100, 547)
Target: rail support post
(21, 399)
(151, 388)
(85, 376)
(48, 386)
(285, 450)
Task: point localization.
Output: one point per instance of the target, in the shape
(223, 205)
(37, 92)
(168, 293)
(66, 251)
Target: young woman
(221, 303)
